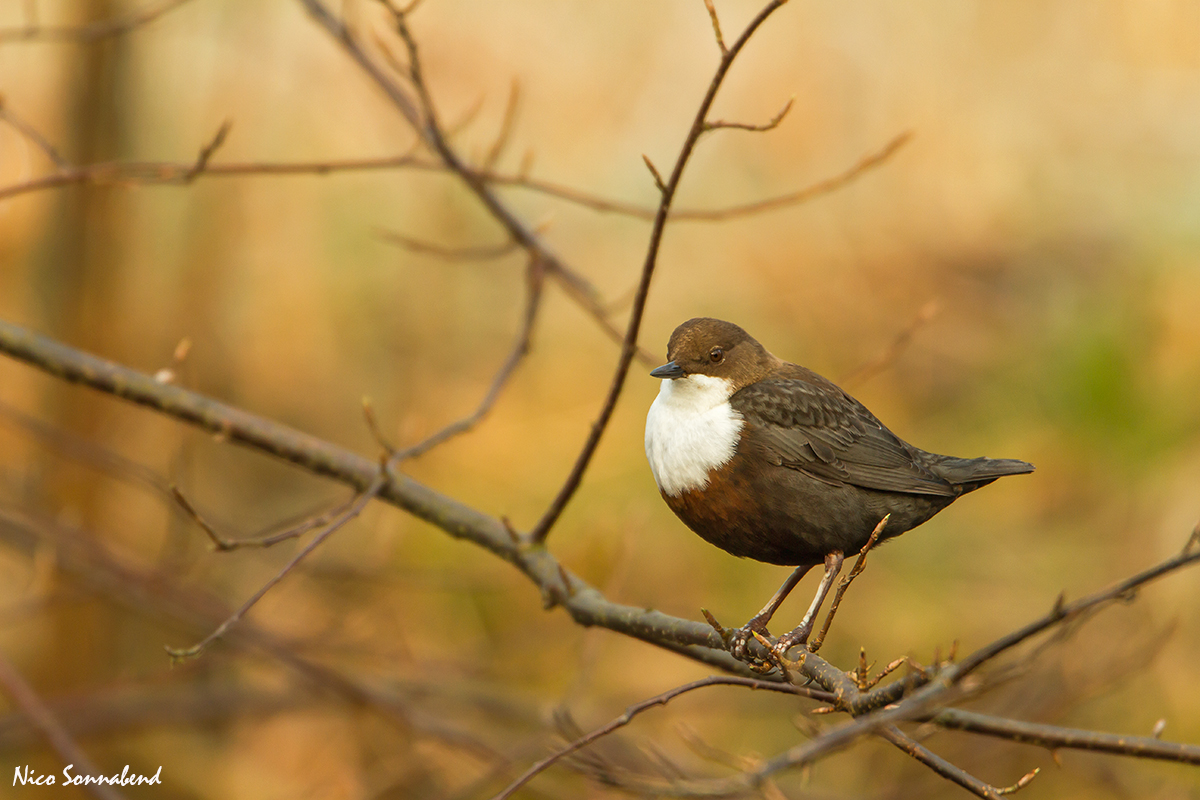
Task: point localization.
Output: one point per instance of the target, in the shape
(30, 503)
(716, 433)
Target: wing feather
(809, 424)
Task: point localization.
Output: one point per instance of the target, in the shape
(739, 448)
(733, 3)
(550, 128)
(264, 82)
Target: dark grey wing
(809, 424)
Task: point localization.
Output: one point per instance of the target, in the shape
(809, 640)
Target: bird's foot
(799, 635)
(740, 638)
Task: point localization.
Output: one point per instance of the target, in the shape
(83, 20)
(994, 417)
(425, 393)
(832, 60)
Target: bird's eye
(716, 355)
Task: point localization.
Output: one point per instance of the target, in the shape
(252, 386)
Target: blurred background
(1021, 279)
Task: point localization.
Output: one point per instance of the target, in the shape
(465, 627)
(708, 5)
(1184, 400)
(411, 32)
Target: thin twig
(658, 181)
(506, 128)
(353, 511)
(176, 173)
(938, 764)
(746, 126)
(628, 348)
(476, 253)
(645, 705)
(419, 111)
(893, 351)
(222, 544)
(810, 192)
(859, 565)
(83, 34)
(32, 134)
(716, 23)
(206, 152)
(41, 718)
(519, 349)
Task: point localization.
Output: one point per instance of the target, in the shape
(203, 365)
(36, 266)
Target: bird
(770, 461)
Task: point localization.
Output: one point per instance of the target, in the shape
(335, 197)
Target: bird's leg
(833, 565)
(758, 623)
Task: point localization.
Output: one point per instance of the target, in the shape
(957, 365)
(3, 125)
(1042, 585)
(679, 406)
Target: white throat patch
(691, 430)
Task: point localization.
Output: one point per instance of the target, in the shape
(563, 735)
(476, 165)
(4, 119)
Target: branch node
(513, 535)
(716, 626)
(771, 124)
(220, 544)
(1158, 729)
(658, 180)
(373, 425)
(1021, 784)
(568, 587)
(206, 152)
(1193, 541)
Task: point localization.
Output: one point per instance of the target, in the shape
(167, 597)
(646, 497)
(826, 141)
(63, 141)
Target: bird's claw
(740, 638)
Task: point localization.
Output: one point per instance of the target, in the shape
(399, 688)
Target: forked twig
(180, 654)
(222, 544)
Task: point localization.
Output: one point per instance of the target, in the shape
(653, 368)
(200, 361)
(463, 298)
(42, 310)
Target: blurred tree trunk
(77, 278)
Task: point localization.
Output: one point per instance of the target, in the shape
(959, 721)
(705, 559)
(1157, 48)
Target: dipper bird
(769, 460)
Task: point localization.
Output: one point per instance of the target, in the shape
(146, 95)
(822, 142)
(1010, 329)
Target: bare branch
(475, 253)
(893, 351)
(32, 134)
(859, 565)
(745, 126)
(506, 129)
(41, 718)
(180, 654)
(420, 113)
(1020, 784)
(206, 152)
(817, 189)
(645, 705)
(373, 426)
(938, 764)
(1053, 737)
(629, 346)
(222, 544)
(83, 34)
(658, 181)
(716, 23)
(151, 594)
(533, 296)
(1193, 541)
(164, 172)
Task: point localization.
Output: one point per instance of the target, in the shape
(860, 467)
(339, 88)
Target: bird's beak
(667, 370)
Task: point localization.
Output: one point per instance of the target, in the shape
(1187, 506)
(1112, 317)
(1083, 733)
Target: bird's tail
(972, 473)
